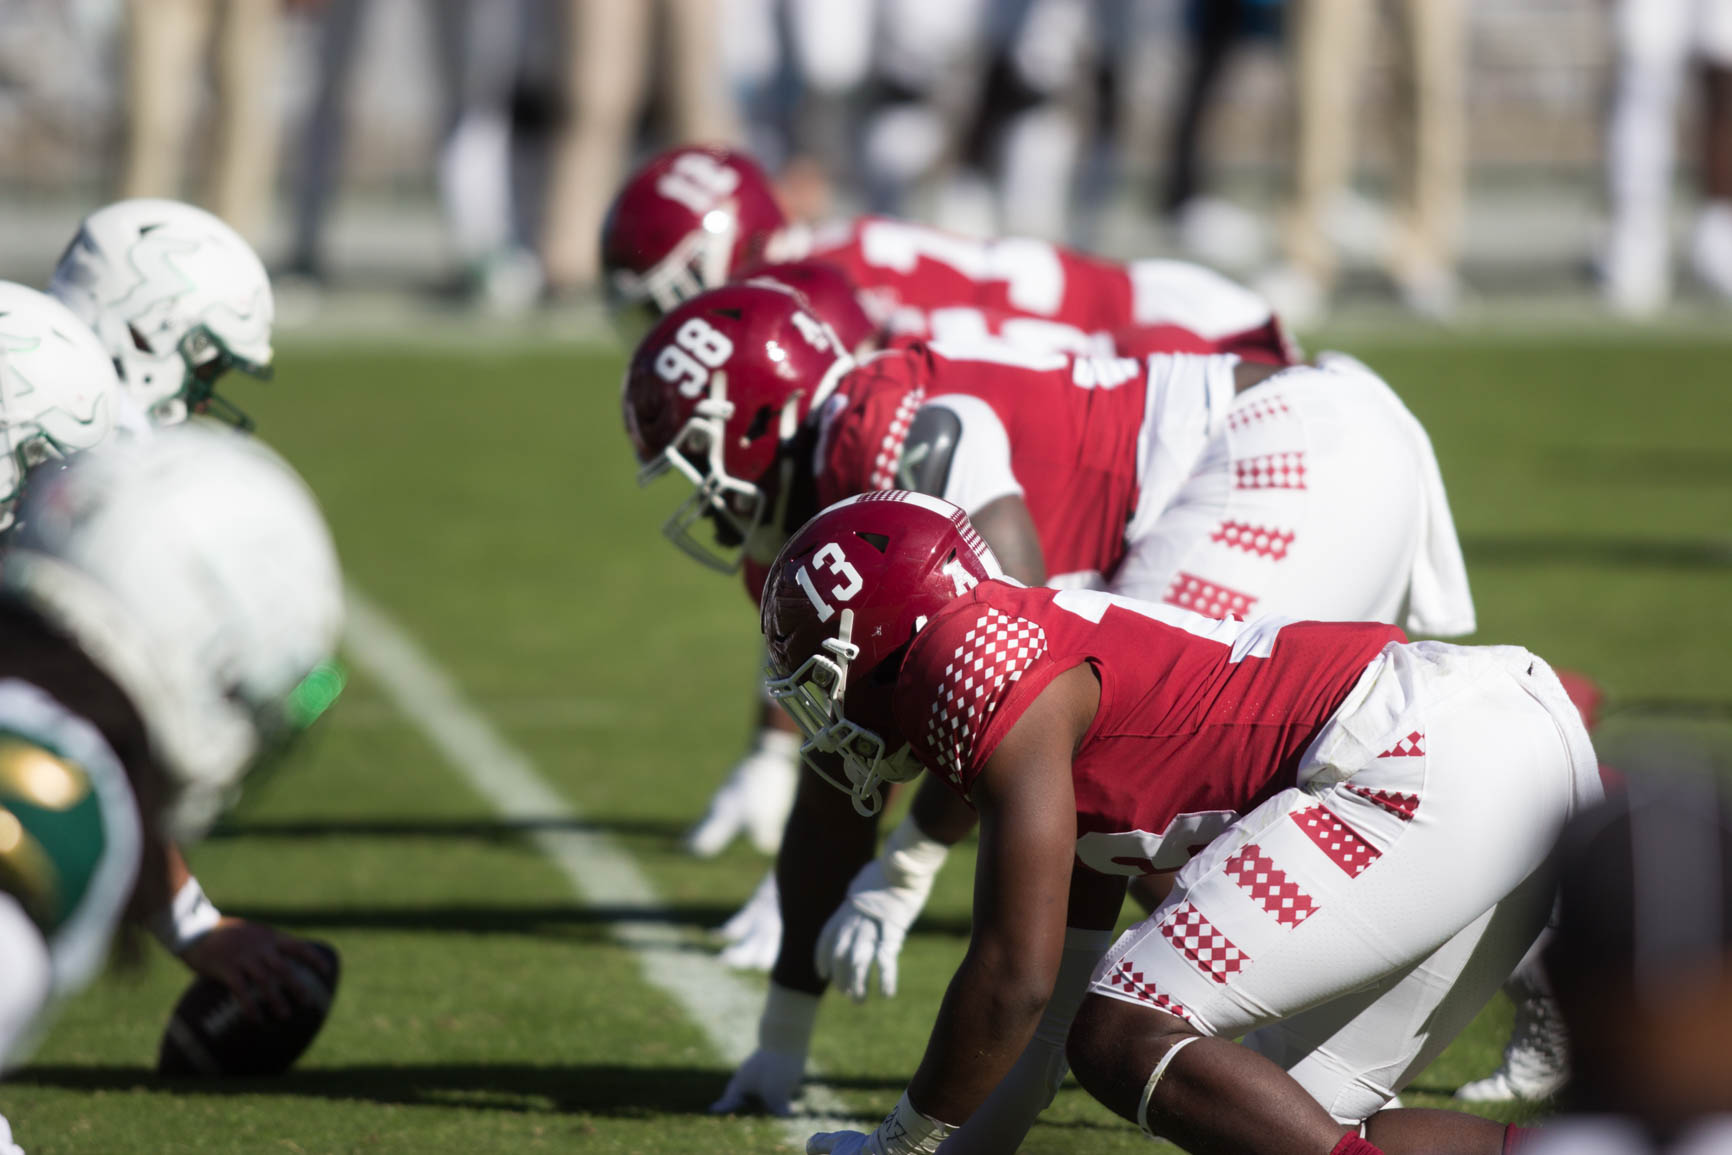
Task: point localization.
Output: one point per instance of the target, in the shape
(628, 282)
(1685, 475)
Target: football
(210, 1035)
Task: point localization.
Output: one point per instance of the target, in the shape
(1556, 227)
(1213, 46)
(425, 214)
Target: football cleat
(844, 598)
(690, 219)
(176, 297)
(716, 392)
(1536, 1060)
(195, 567)
(58, 390)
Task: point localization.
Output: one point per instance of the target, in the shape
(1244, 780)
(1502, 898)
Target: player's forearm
(826, 843)
(990, 1012)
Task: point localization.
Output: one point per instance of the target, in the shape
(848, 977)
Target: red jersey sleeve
(967, 679)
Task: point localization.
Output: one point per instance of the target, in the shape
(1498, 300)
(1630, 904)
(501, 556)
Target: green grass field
(485, 499)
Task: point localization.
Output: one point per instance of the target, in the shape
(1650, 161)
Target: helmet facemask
(813, 696)
(207, 359)
(701, 261)
(717, 522)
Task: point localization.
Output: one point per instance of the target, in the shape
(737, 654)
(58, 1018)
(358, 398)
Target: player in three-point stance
(1344, 897)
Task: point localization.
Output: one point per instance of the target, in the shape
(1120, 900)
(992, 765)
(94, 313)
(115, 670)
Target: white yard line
(722, 1006)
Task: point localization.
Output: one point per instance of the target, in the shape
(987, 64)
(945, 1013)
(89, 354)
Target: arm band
(188, 918)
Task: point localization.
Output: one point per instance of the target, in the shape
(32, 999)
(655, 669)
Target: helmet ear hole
(760, 425)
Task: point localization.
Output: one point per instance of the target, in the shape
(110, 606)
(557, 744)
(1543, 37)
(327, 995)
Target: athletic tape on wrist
(1149, 1087)
(909, 1131)
(189, 917)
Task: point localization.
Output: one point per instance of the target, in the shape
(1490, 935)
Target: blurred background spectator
(476, 142)
(171, 46)
(1658, 41)
(609, 70)
(1330, 49)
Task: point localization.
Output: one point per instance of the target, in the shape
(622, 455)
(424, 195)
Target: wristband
(780, 743)
(189, 917)
(906, 1131)
(910, 856)
(787, 1022)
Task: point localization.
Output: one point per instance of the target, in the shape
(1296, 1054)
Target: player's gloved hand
(754, 800)
(753, 937)
(905, 1131)
(770, 1077)
(7, 1147)
(883, 901)
(255, 962)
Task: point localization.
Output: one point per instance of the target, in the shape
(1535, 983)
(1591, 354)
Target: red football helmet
(716, 390)
(845, 597)
(831, 294)
(689, 220)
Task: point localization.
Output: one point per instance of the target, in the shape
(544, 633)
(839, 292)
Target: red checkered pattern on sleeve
(895, 436)
(992, 656)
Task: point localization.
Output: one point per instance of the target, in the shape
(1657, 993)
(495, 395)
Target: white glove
(7, 1147)
(754, 800)
(771, 1075)
(905, 1131)
(753, 937)
(883, 901)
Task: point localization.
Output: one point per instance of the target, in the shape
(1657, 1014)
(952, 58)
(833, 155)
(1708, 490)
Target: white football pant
(1358, 921)
(1319, 499)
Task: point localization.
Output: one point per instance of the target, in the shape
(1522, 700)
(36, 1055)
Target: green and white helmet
(177, 297)
(58, 392)
(196, 570)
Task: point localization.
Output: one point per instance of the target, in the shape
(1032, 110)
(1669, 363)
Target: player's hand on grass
(766, 1081)
(753, 937)
(770, 1077)
(842, 1143)
(255, 962)
(883, 901)
(754, 800)
(7, 1147)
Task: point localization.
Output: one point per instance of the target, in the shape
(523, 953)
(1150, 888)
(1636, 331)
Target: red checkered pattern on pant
(1255, 872)
(1131, 981)
(1254, 539)
(1271, 471)
(1212, 951)
(1412, 746)
(1400, 805)
(993, 654)
(1336, 839)
(890, 449)
(1254, 412)
(1199, 595)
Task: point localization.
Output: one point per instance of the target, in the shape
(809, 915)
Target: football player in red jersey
(696, 217)
(1344, 897)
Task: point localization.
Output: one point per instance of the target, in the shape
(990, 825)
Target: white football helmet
(58, 391)
(195, 569)
(177, 298)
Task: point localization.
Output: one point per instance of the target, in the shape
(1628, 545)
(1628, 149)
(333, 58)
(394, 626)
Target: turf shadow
(547, 919)
(609, 1090)
(1538, 549)
(598, 1089)
(479, 830)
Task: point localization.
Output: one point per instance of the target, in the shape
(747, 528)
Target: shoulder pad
(52, 832)
(927, 453)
